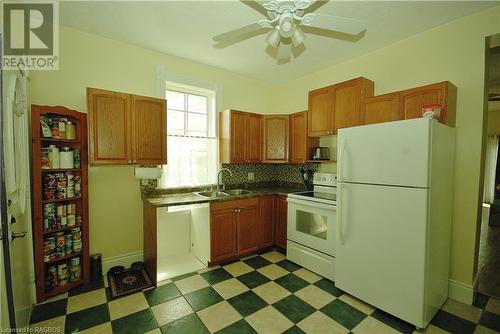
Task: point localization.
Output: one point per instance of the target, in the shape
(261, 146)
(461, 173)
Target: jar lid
(66, 149)
(68, 122)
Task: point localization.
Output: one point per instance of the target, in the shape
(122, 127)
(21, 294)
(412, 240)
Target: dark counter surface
(186, 198)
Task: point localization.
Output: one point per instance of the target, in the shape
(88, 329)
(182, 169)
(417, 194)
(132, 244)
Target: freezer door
(380, 248)
(392, 153)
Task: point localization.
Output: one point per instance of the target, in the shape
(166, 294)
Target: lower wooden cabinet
(267, 218)
(281, 222)
(222, 234)
(234, 228)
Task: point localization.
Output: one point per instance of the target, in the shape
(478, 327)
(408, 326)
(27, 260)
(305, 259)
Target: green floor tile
(240, 327)
(139, 322)
(294, 308)
(49, 310)
(247, 303)
(343, 313)
(215, 276)
(90, 317)
(490, 320)
(288, 265)
(329, 287)
(161, 294)
(253, 279)
(398, 324)
(257, 262)
(291, 282)
(189, 324)
(203, 298)
(294, 330)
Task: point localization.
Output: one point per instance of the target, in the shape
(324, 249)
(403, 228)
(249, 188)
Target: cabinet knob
(130, 161)
(134, 161)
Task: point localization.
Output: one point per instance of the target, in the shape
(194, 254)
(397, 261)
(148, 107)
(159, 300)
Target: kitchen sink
(235, 192)
(211, 194)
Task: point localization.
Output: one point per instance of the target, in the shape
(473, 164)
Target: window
(192, 143)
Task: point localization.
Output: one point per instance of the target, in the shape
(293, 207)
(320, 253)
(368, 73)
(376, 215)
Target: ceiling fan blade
(284, 51)
(238, 35)
(255, 5)
(316, 5)
(336, 23)
(333, 34)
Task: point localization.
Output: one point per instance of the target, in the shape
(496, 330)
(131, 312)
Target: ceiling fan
(286, 23)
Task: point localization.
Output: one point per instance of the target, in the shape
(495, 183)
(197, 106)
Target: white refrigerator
(394, 207)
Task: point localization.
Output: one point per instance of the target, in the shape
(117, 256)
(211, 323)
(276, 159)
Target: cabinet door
(110, 122)
(276, 138)
(412, 100)
(150, 130)
(267, 217)
(300, 143)
(254, 138)
(238, 136)
(247, 229)
(222, 234)
(320, 115)
(281, 222)
(383, 108)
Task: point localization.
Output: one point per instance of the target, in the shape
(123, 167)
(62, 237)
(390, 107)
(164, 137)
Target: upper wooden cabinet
(382, 108)
(126, 129)
(276, 138)
(320, 117)
(240, 137)
(337, 106)
(442, 93)
(300, 143)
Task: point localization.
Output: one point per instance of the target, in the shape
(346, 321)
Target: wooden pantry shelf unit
(59, 266)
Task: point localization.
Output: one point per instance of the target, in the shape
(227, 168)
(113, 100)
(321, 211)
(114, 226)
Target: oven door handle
(311, 204)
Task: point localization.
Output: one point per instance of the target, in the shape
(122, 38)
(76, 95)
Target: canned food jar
(60, 244)
(66, 158)
(70, 130)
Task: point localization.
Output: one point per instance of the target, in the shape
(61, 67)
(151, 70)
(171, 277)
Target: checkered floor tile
(261, 294)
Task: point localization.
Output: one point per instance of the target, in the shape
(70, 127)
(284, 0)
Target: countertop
(193, 198)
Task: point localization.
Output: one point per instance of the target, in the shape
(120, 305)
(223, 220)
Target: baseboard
(461, 292)
(122, 260)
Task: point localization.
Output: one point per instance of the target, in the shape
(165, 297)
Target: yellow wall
(453, 52)
(88, 60)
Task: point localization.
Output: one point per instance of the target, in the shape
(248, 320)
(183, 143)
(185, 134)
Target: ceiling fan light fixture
(273, 39)
(298, 37)
(287, 26)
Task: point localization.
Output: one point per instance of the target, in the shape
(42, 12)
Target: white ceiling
(186, 28)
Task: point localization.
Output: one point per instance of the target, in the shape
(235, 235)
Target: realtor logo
(31, 35)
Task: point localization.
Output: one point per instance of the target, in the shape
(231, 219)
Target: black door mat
(126, 281)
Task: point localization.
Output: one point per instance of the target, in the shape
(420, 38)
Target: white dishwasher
(183, 243)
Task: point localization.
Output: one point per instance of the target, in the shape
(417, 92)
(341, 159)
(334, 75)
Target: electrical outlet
(251, 176)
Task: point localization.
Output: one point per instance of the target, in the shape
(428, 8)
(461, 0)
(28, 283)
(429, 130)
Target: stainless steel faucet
(219, 179)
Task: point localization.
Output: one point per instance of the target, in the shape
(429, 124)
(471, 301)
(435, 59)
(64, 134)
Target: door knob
(15, 235)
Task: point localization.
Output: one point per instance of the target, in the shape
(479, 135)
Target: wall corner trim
(460, 292)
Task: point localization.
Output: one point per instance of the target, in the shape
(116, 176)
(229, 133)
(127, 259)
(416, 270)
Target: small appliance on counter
(307, 178)
(320, 153)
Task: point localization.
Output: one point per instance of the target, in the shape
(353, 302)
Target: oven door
(312, 224)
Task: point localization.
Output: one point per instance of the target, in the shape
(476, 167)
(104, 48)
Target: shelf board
(58, 170)
(321, 161)
(62, 258)
(66, 228)
(59, 140)
(69, 199)
(61, 289)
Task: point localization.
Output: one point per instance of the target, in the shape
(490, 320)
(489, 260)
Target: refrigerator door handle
(340, 229)
(340, 160)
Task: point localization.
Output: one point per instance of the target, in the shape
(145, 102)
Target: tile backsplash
(265, 173)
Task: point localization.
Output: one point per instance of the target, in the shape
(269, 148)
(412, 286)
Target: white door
(380, 249)
(312, 224)
(392, 153)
